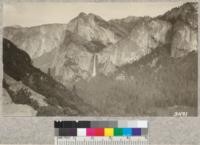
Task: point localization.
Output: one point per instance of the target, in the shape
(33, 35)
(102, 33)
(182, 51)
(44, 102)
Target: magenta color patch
(90, 132)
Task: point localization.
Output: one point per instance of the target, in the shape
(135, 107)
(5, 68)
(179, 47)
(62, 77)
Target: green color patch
(118, 132)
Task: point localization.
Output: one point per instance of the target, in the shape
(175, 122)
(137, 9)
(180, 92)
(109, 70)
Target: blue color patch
(136, 132)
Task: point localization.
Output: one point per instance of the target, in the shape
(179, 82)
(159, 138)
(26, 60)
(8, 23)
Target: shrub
(22, 96)
(49, 111)
(34, 104)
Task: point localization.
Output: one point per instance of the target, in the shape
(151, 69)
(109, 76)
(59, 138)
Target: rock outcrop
(143, 38)
(185, 28)
(36, 40)
(93, 27)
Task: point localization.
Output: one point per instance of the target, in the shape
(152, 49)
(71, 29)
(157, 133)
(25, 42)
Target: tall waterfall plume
(94, 65)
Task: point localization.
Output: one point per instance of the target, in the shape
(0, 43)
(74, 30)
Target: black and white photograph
(100, 59)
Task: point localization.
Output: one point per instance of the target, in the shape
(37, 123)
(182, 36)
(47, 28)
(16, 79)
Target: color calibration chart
(132, 132)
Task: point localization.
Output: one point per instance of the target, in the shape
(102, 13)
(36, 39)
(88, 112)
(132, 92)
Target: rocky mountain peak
(93, 28)
(185, 23)
(127, 24)
(190, 5)
(187, 13)
(82, 14)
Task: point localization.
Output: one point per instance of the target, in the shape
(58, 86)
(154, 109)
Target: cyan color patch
(127, 132)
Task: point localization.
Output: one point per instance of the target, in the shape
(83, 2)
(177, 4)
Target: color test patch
(67, 132)
(127, 131)
(118, 132)
(99, 132)
(142, 124)
(96, 128)
(81, 132)
(90, 132)
(108, 131)
(136, 131)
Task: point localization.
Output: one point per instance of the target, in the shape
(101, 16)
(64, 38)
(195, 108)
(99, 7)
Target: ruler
(100, 141)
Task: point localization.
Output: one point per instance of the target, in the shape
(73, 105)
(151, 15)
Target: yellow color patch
(108, 131)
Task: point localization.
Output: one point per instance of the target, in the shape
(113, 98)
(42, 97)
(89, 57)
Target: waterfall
(94, 69)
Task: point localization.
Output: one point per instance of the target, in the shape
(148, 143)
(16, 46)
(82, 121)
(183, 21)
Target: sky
(37, 13)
